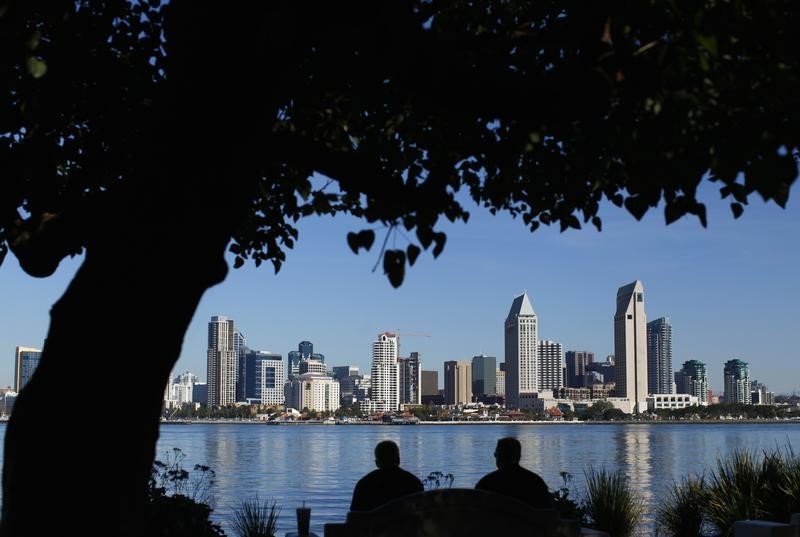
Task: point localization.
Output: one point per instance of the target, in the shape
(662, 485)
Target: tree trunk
(81, 439)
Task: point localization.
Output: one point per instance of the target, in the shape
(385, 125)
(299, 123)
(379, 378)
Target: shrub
(611, 505)
(567, 507)
(256, 518)
(179, 501)
(680, 513)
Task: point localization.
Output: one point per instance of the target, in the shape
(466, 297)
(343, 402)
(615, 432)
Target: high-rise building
(521, 337)
(224, 345)
(659, 356)
(385, 381)
(183, 388)
(500, 375)
(264, 377)
(26, 360)
(484, 375)
(630, 346)
(576, 367)
(430, 388)
(550, 358)
(410, 373)
(693, 379)
(306, 349)
(312, 391)
(737, 382)
(760, 395)
(457, 382)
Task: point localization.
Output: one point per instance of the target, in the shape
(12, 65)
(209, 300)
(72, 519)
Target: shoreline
(489, 423)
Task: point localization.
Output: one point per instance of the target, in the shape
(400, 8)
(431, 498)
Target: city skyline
(734, 274)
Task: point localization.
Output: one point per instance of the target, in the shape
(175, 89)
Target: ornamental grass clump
(780, 478)
(256, 518)
(611, 505)
(680, 513)
(735, 491)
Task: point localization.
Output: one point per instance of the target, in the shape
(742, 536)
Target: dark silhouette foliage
(158, 136)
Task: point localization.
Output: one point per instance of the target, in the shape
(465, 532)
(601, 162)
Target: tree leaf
(366, 238)
(394, 265)
(440, 238)
(737, 209)
(36, 67)
(238, 262)
(413, 252)
(353, 241)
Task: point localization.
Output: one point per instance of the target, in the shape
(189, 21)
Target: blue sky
(731, 291)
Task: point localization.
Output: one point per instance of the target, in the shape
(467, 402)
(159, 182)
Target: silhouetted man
(511, 479)
(386, 483)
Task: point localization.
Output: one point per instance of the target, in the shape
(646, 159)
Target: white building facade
(630, 346)
(521, 350)
(26, 360)
(312, 391)
(385, 374)
(671, 401)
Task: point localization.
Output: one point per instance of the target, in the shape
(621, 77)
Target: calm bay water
(320, 464)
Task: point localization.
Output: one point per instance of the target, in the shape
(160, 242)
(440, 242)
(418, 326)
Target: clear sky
(731, 291)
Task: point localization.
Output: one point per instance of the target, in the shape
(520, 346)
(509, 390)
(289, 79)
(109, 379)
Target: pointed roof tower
(521, 306)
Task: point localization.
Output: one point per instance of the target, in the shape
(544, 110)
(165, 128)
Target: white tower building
(630, 346)
(521, 353)
(26, 360)
(385, 380)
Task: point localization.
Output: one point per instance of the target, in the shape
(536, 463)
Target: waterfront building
(7, 401)
(672, 401)
(312, 366)
(576, 362)
(521, 360)
(457, 382)
(693, 379)
(224, 345)
(737, 382)
(409, 376)
(312, 391)
(264, 378)
(484, 375)
(630, 347)
(659, 356)
(550, 356)
(385, 381)
(183, 388)
(26, 360)
(430, 388)
(760, 395)
(606, 369)
(200, 393)
(500, 382)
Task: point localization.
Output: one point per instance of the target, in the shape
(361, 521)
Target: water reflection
(321, 464)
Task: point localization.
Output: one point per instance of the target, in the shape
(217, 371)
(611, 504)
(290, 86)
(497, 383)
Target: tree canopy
(539, 109)
(155, 136)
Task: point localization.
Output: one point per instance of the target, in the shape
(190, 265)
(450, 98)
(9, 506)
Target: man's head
(508, 452)
(387, 454)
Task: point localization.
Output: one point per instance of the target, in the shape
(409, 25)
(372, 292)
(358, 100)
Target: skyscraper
(693, 379)
(385, 382)
(521, 337)
(737, 382)
(484, 375)
(576, 367)
(26, 359)
(630, 346)
(550, 365)
(659, 356)
(457, 382)
(410, 373)
(264, 377)
(305, 351)
(224, 343)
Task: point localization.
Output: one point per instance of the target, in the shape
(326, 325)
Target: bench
(454, 512)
